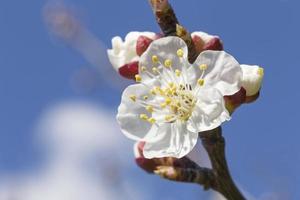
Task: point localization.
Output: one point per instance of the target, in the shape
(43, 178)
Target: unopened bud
(214, 44)
(129, 70)
(142, 44)
(252, 79)
(234, 101)
(199, 43)
(150, 165)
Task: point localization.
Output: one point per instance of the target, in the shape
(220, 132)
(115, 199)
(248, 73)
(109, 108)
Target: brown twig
(167, 20)
(214, 144)
(218, 178)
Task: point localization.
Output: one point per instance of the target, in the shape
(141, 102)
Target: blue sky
(262, 138)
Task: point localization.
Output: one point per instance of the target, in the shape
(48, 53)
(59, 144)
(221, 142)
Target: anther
(145, 97)
(144, 117)
(151, 120)
(155, 70)
(203, 67)
(132, 97)
(163, 105)
(168, 100)
(149, 108)
(200, 81)
(180, 53)
(168, 117)
(155, 59)
(159, 90)
(138, 78)
(171, 84)
(143, 68)
(168, 63)
(177, 72)
(260, 71)
(152, 91)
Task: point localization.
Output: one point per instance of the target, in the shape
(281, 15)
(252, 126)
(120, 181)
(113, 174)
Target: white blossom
(252, 79)
(124, 52)
(175, 100)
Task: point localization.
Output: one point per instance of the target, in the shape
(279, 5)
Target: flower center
(176, 98)
(179, 101)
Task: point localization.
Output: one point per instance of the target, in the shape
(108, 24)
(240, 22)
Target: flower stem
(167, 20)
(214, 143)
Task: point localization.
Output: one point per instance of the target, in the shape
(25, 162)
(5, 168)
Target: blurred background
(59, 95)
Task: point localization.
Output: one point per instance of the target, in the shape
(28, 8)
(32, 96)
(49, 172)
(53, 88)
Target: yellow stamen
(200, 81)
(155, 70)
(174, 108)
(168, 91)
(203, 67)
(159, 90)
(132, 97)
(260, 71)
(163, 105)
(145, 97)
(168, 63)
(144, 117)
(180, 53)
(155, 59)
(151, 120)
(168, 100)
(138, 78)
(149, 108)
(152, 91)
(171, 84)
(143, 68)
(177, 72)
(168, 117)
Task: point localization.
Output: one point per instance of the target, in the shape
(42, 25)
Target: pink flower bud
(129, 70)
(148, 165)
(214, 44)
(235, 100)
(142, 44)
(199, 43)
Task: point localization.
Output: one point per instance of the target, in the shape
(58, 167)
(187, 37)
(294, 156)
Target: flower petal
(252, 79)
(210, 111)
(164, 48)
(223, 72)
(175, 141)
(129, 114)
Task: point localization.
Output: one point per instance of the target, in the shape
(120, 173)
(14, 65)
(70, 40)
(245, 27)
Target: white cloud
(84, 159)
(77, 128)
(80, 140)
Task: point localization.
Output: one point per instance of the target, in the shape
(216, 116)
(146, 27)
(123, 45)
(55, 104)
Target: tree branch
(214, 144)
(167, 20)
(202, 176)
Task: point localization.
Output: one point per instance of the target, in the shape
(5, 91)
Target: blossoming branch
(187, 86)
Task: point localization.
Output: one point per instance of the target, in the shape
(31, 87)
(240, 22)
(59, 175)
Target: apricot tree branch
(214, 144)
(166, 19)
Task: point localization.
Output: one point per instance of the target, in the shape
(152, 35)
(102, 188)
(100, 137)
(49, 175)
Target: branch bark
(214, 144)
(167, 20)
